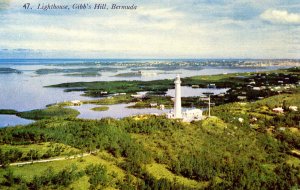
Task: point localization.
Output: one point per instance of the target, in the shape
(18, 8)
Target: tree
(10, 179)
(98, 176)
(33, 155)
(4, 161)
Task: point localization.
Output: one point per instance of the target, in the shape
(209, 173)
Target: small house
(76, 102)
(192, 114)
(161, 106)
(293, 108)
(278, 110)
(211, 86)
(242, 97)
(153, 104)
(137, 95)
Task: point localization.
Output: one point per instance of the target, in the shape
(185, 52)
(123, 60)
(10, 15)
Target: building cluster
(218, 63)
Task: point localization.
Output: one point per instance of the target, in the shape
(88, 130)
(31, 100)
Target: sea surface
(115, 111)
(26, 90)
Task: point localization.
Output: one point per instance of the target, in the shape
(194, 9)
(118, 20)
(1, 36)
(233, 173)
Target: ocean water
(27, 91)
(12, 120)
(115, 111)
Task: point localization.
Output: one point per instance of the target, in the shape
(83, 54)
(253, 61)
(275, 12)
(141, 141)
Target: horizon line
(149, 58)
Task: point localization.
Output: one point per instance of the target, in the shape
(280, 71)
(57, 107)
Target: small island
(100, 108)
(9, 71)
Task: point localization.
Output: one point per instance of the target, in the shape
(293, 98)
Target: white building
(161, 106)
(138, 96)
(278, 110)
(76, 102)
(193, 114)
(256, 88)
(153, 104)
(293, 108)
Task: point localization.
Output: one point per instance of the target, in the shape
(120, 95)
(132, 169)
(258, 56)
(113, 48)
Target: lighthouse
(187, 115)
(177, 102)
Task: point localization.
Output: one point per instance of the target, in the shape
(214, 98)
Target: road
(51, 159)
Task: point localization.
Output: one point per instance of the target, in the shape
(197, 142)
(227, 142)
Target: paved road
(50, 160)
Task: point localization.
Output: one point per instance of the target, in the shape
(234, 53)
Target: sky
(257, 29)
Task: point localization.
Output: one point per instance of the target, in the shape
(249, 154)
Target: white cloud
(280, 16)
(154, 30)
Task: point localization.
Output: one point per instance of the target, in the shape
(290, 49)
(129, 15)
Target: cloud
(280, 16)
(195, 28)
(4, 4)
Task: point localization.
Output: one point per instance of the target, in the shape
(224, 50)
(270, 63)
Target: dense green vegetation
(47, 113)
(50, 112)
(8, 112)
(120, 99)
(94, 88)
(158, 86)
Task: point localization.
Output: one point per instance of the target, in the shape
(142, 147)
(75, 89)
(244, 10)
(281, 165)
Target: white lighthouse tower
(177, 102)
